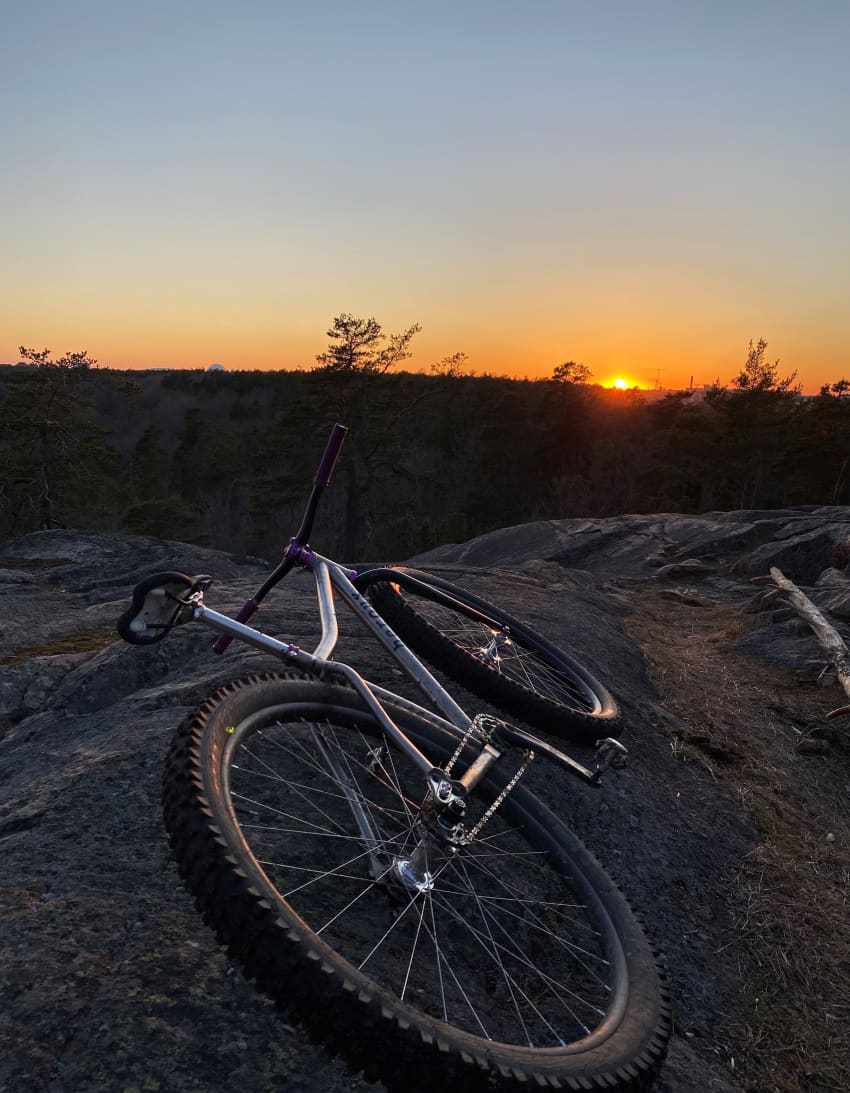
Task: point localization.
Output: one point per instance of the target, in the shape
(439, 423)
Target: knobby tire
(503, 661)
(520, 967)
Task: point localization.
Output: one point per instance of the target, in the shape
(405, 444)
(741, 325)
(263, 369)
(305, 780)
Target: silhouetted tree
(349, 374)
(817, 460)
(208, 472)
(151, 466)
(750, 430)
(360, 347)
(55, 466)
(840, 388)
(759, 374)
(452, 367)
(571, 372)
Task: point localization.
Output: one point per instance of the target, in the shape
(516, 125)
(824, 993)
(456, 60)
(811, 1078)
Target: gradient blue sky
(632, 185)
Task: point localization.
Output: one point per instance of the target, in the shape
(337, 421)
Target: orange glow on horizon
(246, 339)
(621, 383)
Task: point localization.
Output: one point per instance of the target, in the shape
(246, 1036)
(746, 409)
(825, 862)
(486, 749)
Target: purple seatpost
(323, 474)
(250, 608)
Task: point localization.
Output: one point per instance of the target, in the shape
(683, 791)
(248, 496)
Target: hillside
(731, 841)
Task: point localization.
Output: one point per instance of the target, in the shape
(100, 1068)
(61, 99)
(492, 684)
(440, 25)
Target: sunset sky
(636, 186)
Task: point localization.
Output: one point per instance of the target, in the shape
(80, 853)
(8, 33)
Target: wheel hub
(406, 872)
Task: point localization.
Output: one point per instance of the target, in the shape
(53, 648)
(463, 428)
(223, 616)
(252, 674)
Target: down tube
(396, 647)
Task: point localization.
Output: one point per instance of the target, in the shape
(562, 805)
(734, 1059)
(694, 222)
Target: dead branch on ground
(826, 634)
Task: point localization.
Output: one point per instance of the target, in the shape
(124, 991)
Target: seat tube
(327, 612)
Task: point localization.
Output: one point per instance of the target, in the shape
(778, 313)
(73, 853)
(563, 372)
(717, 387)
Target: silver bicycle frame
(329, 575)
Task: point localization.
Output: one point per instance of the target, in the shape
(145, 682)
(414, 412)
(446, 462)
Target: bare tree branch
(826, 634)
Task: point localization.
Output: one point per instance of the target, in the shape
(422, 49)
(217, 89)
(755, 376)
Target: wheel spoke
(513, 985)
(513, 946)
(505, 652)
(493, 949)
(487, 937)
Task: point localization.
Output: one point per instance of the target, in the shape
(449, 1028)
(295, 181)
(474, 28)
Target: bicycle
(376, 865)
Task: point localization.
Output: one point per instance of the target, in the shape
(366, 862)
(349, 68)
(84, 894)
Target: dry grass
(87, 641)
(742, 720)
(32, 564)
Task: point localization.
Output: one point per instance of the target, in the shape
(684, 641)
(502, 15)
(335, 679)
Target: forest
(226, 458)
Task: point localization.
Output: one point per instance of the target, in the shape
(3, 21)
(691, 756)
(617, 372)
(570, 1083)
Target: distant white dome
(216, 368)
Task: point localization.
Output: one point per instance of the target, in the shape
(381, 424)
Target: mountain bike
(377, 865)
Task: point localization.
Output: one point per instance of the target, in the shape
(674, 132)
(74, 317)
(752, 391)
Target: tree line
(226, 458)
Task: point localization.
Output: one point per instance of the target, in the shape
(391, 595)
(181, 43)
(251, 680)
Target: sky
(640, 187)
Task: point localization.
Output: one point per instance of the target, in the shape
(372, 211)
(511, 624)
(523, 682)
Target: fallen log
(827, 635)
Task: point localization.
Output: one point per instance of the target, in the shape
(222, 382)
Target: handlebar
(335, 441)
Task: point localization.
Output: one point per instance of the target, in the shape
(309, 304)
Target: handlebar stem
(301, 554)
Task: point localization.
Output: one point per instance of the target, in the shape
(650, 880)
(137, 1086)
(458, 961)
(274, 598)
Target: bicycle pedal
(610, 755)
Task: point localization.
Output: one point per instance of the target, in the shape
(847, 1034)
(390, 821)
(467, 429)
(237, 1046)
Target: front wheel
(508, 961)
(498, 657)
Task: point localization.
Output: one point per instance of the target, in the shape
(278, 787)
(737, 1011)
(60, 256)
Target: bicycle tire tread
(539, 711)
(327, 1004)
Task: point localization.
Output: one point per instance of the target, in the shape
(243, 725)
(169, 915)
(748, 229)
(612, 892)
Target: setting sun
(620, 384)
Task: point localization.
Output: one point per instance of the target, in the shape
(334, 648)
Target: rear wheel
(496, 656)
(505, 961)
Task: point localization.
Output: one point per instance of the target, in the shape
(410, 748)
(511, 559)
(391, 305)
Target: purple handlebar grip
(323, 474)
(250, 608)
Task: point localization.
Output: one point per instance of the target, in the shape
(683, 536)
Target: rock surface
(712, 556)
(801, 541)
(108, 978)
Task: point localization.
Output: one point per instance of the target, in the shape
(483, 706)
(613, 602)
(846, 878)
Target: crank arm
(604, 752)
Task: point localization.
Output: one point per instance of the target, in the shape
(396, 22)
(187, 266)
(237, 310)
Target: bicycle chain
(470, 835)
(463, 742)
(489, 726)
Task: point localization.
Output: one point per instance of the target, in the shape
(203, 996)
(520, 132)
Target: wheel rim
(508, 655)
(497, 943)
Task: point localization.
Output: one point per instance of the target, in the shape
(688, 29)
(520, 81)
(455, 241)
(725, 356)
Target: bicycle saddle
(159, 603)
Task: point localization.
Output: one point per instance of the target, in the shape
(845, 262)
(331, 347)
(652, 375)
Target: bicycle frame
(329, 575)
(481, 731)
